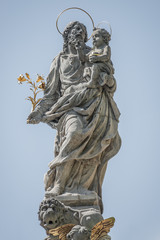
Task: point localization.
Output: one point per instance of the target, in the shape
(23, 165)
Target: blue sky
(29, 41)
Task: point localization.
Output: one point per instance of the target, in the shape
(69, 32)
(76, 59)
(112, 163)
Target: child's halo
(110, 29)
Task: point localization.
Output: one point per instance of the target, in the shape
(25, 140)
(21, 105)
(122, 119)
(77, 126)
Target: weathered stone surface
(58, 219)
(78, 103)
(52, 213)
(75, 199)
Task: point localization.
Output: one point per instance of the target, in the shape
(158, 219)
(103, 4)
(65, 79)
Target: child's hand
(93, 58)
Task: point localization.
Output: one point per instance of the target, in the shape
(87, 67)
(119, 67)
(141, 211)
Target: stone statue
(58, 220)
(78, 103)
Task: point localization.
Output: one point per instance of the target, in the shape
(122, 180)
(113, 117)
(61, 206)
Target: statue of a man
(86, 119)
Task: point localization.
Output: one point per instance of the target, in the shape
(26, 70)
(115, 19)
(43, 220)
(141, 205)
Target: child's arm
(104, 57)
(106, 54)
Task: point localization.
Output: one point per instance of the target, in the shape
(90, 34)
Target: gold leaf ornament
(38, 100)
(62, 231)
(30, 99)
(102, 228)
(99, 231)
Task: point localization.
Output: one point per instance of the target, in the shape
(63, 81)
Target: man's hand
(34, 118)
(78, 45)
(80, 51)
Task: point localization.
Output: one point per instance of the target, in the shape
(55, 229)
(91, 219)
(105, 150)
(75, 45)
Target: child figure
(100, 57)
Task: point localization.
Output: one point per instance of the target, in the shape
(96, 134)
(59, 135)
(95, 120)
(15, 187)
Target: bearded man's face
(76, 34)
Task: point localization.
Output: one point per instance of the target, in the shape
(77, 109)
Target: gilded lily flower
(21, 79)
(27, 75)
(34, 87)
(42, 85)
(39, 78)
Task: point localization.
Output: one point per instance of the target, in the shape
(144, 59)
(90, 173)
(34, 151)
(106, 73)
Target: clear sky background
(28, 43)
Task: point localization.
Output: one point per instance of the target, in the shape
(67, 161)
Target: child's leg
(94, 75)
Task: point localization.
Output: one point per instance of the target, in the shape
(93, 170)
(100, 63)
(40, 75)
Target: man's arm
(51, 94)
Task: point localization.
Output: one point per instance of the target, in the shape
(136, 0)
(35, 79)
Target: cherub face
(78, 233)
(97, 39)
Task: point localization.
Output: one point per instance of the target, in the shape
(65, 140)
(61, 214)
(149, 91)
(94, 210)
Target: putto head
(103, 33)
(78, 232)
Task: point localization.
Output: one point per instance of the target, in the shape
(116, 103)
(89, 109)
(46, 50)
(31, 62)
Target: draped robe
(86, 120)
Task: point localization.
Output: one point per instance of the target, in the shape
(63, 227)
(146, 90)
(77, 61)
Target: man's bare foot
(54, 191)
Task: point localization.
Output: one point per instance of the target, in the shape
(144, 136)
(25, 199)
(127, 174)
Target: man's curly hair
(67, 31)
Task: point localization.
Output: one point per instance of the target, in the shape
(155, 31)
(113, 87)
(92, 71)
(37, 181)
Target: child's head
(100, 36)
(78, 232)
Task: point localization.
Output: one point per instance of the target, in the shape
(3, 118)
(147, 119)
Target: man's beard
(75, 40)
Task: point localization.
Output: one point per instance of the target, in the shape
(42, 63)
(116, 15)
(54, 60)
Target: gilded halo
(76, 9)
